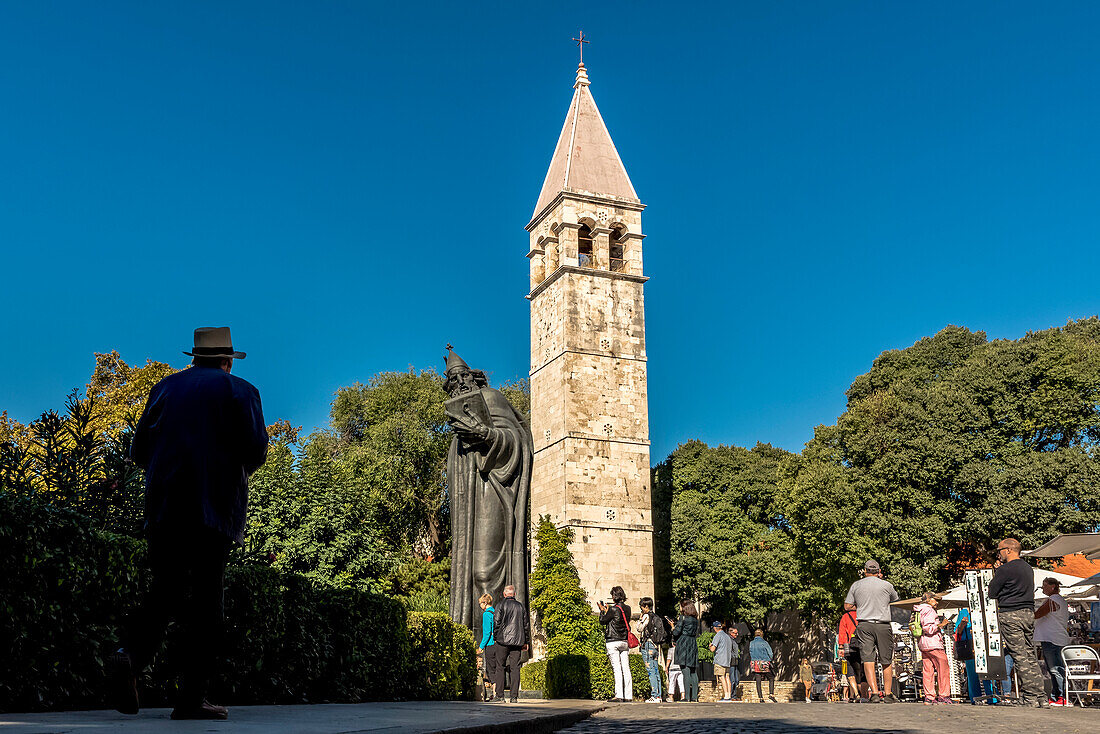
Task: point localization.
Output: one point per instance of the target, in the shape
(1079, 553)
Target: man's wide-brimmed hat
(213, 341)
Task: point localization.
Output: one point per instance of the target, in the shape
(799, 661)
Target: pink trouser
(936, 659)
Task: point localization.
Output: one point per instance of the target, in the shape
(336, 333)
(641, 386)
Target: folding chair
(1082, 666)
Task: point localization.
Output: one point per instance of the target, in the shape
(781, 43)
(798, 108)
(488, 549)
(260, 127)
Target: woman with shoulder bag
(760, 664)
(619, 639)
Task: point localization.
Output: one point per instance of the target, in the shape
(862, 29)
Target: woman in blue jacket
(761, 665)
(488, 658)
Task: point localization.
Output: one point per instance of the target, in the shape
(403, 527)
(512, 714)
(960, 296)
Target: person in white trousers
(615, 619)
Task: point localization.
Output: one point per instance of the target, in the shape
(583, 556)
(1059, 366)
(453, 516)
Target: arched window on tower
(585, 256)
(617, 250)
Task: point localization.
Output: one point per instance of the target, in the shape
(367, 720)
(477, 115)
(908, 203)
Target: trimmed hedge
(443, 657)
(581, 676)
(65, 586)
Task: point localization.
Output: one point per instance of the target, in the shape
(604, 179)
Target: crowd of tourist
(864, 651)
(865, 641)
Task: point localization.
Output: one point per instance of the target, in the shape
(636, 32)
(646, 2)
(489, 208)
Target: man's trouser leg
(146, 627)
(1052, 654)
(204, 626)
(1017, 627)
(500, 665)
(514, 653)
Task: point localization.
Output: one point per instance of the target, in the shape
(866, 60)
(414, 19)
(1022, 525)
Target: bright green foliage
(121, 391)
(703, 643)
(728, 542)
(946, 447)
(314, 515)
(443, 656)
(560, 605)
(63, 460)
(393, 437)
(423, 585)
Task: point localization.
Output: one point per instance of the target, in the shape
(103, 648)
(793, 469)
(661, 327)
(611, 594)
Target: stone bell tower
(589, 412)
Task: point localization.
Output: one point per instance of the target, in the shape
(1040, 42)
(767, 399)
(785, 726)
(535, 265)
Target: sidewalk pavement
(413, 717)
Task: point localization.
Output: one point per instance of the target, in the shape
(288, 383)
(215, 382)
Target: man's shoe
(890, 698)
(875, 698)
(122, 683)
(772, 699)
(205, 711)
(653, 699)
(496, 700)
(513, 700)
(1042, 703)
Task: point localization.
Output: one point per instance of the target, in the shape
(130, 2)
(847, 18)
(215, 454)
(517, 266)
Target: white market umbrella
(956, 597)
(1068, 544)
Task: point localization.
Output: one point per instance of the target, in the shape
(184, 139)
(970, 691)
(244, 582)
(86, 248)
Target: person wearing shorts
(870, 598)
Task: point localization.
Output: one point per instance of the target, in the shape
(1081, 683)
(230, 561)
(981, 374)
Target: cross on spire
(581, 40)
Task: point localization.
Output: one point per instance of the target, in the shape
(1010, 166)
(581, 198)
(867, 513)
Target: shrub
(443, 662)
(703, 643)
(581, 676)
(557, 599)
(290, 639)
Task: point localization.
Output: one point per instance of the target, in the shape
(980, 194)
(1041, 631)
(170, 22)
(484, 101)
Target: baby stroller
(824, 686)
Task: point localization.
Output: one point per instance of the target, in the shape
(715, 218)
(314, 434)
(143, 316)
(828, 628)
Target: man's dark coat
(201, 435)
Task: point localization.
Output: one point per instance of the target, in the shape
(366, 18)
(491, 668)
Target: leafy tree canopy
(729, 544)
(946, 447)
(121, 391)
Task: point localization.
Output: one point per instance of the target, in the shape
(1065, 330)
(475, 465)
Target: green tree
(560, 605)
(121, 391)
(312, 514)
(728, 541)
(392, 435)
(944, 448)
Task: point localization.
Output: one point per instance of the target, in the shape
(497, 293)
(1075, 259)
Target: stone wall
(589, 399)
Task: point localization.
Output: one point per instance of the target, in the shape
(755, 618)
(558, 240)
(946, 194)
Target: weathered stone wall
(589, 398)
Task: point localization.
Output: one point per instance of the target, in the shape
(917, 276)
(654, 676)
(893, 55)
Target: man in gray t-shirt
(722, 647)
(871, 597)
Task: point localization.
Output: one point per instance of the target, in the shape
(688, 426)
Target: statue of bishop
(489, 479)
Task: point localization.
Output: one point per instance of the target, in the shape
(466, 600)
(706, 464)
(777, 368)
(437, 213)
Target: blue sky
(345, 184)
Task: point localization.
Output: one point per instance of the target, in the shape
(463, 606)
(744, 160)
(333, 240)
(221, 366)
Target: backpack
(915, 628)
(660, 631)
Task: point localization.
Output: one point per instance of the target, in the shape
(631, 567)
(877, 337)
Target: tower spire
(585, 159)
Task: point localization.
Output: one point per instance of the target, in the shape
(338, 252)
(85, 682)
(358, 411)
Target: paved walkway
(416, 717)
(834, 718)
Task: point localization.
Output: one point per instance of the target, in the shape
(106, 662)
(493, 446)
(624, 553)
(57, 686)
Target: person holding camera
(615, 618)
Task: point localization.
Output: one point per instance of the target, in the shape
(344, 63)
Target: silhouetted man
(201, 435)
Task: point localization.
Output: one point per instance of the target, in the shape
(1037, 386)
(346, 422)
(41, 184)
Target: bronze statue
(489, 479)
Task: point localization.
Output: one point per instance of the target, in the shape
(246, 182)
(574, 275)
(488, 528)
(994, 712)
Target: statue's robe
(490, 486)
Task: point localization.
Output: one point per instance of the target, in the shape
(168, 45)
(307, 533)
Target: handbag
(631, 640)
(760, 666)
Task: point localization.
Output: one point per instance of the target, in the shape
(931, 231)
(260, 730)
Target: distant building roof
(1078, 565)
(585, 159)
